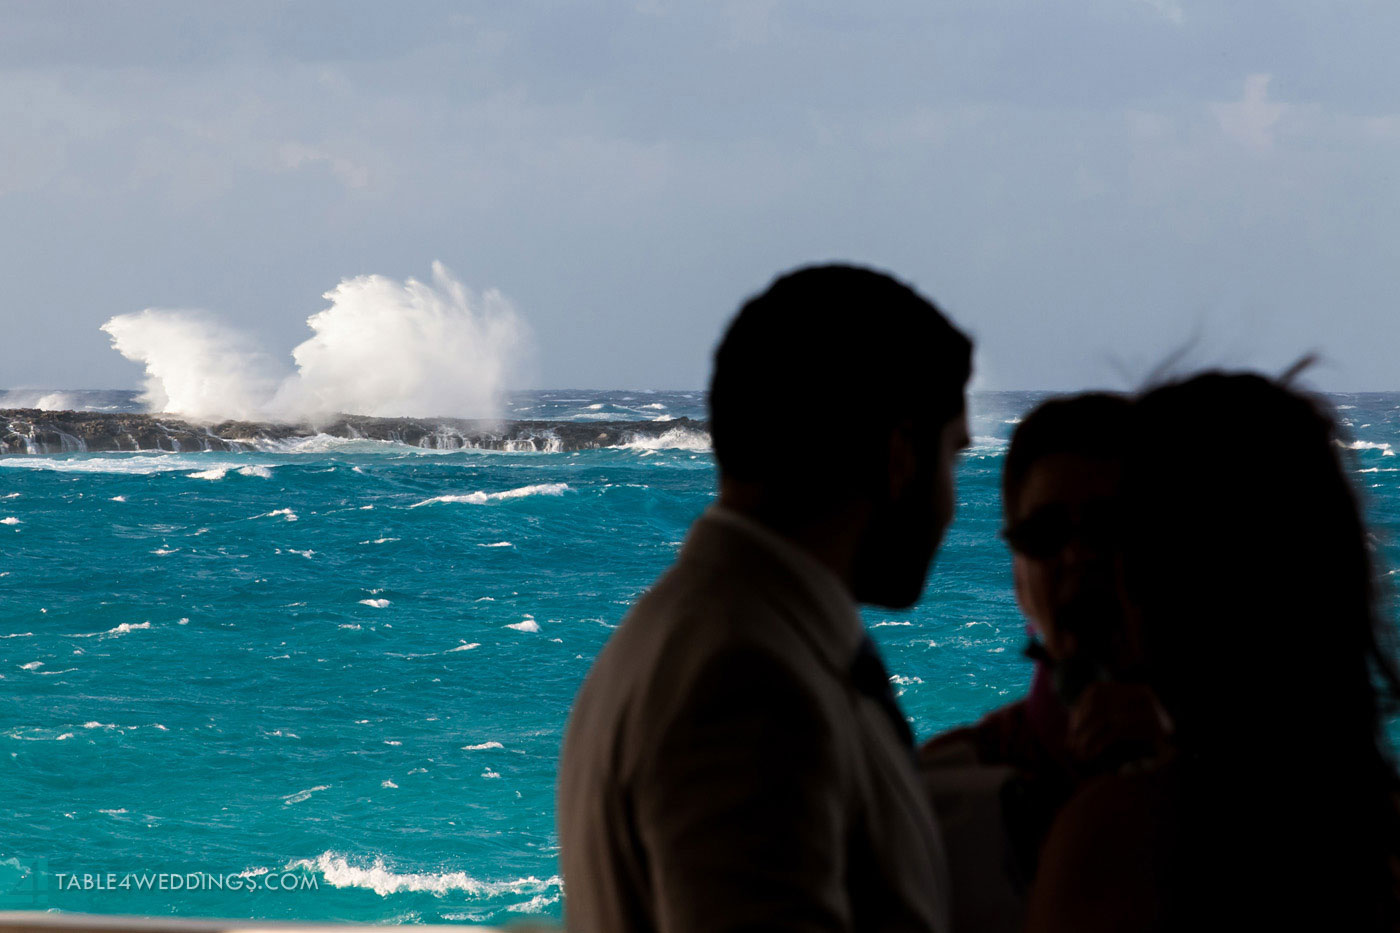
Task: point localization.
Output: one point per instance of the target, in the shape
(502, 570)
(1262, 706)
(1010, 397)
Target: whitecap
(122, 629)
(32, 666)
(488, 774)
(10, 520)
(374, 603)
(497, 544)
(527, 625)
(481, 498)
(535, 904)
(302, 795)
(118, 498)
(389, 784)
(1385, 449)
(482, 746)
(464, 647)
(382, 880)
(288, 514)
(884, 624)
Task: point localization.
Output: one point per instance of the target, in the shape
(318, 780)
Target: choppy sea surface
(331, 684)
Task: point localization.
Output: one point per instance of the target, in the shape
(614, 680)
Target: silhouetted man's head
(840, 391)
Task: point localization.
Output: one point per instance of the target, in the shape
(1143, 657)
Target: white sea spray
(382, 347)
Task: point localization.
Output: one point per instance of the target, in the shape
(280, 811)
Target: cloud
(1250, 121)
(750, 21)
(294, 155)
(1169, 10)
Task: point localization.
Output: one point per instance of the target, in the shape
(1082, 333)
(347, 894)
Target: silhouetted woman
(1245, 554)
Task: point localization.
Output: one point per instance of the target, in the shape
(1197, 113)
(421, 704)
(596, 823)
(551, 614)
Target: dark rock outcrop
(32, 431)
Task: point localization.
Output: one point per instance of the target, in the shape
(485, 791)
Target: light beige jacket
(720, 771)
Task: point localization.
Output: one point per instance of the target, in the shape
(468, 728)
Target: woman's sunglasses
(1049, 529)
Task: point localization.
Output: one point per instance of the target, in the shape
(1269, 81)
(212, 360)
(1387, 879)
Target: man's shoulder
(700, 621)
(700, 608)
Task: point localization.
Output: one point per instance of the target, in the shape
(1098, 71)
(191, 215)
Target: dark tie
(870, 678)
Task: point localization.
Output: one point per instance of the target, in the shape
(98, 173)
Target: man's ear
(903, 462)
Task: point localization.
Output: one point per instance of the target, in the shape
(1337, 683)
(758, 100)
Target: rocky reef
(33, 431)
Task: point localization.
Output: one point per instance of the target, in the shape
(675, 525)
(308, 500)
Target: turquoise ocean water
(341, 669)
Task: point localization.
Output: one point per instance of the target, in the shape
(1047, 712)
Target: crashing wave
(675, 438)
(339, 872)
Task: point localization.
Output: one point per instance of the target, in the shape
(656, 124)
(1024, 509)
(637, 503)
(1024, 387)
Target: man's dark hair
(1091, 424)
(813, 373)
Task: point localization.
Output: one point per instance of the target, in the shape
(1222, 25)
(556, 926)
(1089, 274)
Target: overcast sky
(1084, 186)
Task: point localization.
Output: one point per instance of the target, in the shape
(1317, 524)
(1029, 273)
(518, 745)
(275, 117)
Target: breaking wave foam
(481, 498)
(338, 872)
(123, 629)
(1385, 449)
(220, 472)
(128, 464)
(674, 439)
